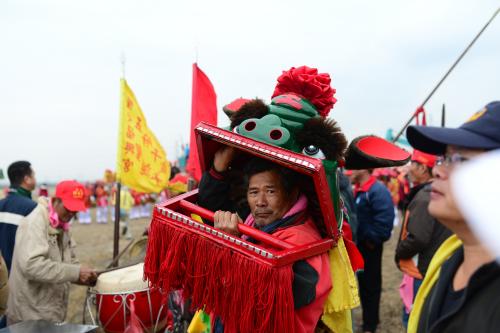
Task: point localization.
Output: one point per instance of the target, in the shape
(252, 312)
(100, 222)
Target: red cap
(72, 194)
(423, 158)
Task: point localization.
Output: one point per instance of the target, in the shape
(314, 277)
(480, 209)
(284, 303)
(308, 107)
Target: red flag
(203, 108)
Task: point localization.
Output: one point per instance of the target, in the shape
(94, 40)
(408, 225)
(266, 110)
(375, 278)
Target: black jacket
(222, 192)
(13, 208)
(478, 309)
(425, 233)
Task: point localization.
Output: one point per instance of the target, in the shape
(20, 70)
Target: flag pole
(447, 73)
(116, 235)
(116, 239)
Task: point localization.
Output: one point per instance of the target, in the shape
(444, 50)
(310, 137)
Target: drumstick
(99, 272)
(244, 229)
(115, 259)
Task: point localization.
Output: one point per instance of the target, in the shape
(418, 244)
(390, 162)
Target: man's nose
(440, 172)
(261, 200)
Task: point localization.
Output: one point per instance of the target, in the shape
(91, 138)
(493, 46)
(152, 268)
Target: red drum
(116, 290)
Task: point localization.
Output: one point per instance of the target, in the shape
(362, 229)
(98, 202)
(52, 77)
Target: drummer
(44, 264)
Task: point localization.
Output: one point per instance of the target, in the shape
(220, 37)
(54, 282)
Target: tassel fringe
(248, 296)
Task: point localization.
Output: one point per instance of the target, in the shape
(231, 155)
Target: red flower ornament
(308, 83)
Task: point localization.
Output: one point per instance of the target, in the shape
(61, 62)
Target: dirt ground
(95, 248)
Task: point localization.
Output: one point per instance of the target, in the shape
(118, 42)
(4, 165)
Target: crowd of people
(449, 275)
(447, 272)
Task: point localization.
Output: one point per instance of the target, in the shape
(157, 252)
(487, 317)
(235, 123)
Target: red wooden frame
(177, 211)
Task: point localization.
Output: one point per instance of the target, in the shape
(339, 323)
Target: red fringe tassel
(248, 296)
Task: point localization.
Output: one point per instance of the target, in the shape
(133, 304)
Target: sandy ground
(95, 248)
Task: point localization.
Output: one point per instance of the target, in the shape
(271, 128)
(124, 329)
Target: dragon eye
(313, 151)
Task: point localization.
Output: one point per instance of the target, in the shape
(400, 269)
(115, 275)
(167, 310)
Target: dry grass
(95, 248)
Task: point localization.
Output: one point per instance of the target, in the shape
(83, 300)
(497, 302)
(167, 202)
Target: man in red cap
(421, 234)
(44, 264)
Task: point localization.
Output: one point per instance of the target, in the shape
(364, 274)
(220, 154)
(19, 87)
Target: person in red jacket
(277, 207)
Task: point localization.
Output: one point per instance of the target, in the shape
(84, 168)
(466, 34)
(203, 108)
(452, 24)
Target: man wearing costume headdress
(271, 200)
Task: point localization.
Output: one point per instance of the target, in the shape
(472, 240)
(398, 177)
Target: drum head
(127, 279)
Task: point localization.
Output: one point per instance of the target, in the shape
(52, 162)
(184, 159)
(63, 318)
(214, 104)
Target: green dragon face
(287, 116)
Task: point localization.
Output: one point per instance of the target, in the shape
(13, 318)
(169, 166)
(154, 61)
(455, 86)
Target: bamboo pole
(446, 75)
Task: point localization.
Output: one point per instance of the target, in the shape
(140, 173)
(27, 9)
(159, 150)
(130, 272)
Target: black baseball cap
(481, 131)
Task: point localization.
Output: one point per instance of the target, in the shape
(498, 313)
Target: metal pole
(116, 239)
(447, 73)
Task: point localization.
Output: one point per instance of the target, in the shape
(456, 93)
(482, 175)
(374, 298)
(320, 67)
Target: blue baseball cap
(481, 131)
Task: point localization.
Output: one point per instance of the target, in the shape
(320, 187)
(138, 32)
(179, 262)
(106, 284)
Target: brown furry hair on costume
(256, 108)
(325, 135)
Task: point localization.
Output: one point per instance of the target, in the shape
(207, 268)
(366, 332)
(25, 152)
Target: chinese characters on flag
(141, 163)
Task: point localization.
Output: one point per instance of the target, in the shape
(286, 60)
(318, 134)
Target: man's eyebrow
(265, 186)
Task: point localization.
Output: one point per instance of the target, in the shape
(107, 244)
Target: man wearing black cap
(460, 290)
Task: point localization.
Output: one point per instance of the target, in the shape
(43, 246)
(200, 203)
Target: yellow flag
(141, 162)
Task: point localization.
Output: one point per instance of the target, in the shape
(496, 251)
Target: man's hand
(223, 157)
(88, 276)
(227, 222)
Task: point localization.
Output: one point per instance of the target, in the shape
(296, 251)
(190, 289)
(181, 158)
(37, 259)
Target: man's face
(29, 182)
(442, 206)
(267, 198)
(357, 175)
(64, 214)
(417, 172)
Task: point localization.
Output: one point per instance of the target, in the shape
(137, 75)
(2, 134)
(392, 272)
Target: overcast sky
(60, 66)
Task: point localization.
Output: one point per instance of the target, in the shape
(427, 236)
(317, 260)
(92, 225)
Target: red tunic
(307, 317)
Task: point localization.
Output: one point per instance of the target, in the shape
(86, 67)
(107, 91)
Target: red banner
(203, 108)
